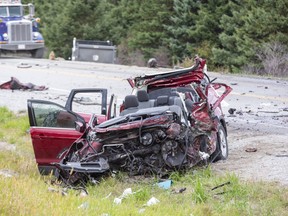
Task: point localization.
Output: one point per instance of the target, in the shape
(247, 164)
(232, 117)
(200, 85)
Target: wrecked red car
(171, 121)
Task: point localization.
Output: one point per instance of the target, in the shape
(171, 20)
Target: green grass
(26, 193)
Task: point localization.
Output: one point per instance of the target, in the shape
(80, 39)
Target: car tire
(221, 152)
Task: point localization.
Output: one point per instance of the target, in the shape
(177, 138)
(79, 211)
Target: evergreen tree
(182, 22)
(251, 25)
(207, 28)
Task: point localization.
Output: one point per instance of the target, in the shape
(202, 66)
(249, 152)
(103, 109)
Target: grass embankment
(26, 192)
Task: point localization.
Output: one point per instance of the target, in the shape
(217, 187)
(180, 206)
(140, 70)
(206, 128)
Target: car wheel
(221, 152)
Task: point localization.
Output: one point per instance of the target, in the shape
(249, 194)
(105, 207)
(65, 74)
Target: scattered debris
(251, 149)
(277, 155)
(24, 65)
(231, 111)
(181, 190)
(117, 201)
(63, 192)
(142, 210)
(152, 201)
(165, 184)
(83, 193)
(265, 104)
(265, 111)
(239, 112)
(14, 84)
(286, 155)
(125, 194)
(233, 83)
(107, 196)
(84, 205)
(221, 185)
(6, 146)
(8, 173)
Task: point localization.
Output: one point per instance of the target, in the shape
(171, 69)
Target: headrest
(130, 101)
(162, 100)
(142, 96)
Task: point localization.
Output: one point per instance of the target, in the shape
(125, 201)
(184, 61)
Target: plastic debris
(142, 210)
(84, 205)
(152, 201)
(107, 196)
(117, 201)
(126, 193)
(62, 192)
(83, 193)
(165, 184)
(8, 173)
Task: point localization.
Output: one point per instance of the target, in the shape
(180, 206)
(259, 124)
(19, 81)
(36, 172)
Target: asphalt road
(260, 119)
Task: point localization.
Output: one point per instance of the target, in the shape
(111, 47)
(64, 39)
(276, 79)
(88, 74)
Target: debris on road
(15, 84)
(24, 65)
(251, 149)
(231, 111)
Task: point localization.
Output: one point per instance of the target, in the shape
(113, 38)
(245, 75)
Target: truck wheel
(38, 53)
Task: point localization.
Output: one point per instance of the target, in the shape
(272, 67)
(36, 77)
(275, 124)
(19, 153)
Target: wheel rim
(223, 143)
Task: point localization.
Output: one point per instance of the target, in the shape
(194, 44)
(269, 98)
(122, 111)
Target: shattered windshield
(3, 11)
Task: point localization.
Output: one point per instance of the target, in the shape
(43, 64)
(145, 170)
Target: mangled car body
(171, 121)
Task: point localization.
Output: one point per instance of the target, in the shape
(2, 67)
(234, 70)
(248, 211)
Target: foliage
(227, 33)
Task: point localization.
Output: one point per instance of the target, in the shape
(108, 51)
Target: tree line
(233, 35)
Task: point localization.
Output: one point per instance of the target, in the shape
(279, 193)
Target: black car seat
(130, 105)
(143, 99)
(162, 100)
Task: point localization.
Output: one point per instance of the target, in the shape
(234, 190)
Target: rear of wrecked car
(159, 138)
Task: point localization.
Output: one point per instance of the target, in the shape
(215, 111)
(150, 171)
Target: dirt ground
(257, 150)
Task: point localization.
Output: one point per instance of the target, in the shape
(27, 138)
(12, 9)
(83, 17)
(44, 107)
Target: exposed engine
(152, 148)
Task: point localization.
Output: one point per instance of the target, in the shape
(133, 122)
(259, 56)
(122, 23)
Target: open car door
(52, 126)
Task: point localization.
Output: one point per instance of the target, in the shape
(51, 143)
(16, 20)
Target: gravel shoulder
(256, 154)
